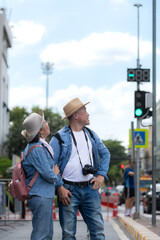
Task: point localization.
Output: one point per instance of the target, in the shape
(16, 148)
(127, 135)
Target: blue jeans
(42, 220)
(88, 202)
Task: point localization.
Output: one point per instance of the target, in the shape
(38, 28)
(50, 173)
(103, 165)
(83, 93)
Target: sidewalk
(141, 229)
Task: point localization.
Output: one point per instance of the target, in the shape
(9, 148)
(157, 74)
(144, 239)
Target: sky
(91, 43)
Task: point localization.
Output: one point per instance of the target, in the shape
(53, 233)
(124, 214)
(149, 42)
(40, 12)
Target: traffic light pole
(137, 167)
(137, 205)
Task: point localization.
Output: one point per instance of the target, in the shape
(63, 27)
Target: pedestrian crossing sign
(140, 138)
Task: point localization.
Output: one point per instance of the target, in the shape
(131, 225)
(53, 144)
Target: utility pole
(137, 205)
(47, 70)
(154, 117)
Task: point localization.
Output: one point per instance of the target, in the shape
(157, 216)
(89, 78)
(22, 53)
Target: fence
(11, 209)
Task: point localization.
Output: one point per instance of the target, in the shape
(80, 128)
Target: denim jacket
(101, 155)
(40, 159)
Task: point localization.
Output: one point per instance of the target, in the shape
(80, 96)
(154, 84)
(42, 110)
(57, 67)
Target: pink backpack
(17, 187)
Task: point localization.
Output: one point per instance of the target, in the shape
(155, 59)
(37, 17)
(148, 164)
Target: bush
(5, 163)
(56, 201)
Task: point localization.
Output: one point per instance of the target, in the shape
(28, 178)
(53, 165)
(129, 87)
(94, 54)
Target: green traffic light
(131, 75)
(138, 112)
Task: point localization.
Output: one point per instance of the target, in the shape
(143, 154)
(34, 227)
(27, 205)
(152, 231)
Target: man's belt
(77, 183)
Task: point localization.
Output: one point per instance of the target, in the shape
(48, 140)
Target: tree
(5, 163)
(16, 142)
(118, 157)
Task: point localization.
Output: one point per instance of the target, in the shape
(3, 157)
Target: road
(22, 229)
(18, 230)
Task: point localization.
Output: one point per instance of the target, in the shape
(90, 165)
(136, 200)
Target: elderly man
(83, 161)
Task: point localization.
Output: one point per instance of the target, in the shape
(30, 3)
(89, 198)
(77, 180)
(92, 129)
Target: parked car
(147, 199)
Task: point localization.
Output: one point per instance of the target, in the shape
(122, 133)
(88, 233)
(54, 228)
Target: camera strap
(75, 143)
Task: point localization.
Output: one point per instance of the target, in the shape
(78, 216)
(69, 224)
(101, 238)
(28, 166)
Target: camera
(88, 169)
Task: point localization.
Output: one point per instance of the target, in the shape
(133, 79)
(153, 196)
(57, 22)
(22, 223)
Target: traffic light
(122, 166)
(138, 75)
(140, 109)
(143, 102)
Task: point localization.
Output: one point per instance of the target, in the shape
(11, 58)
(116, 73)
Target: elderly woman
(43, 191)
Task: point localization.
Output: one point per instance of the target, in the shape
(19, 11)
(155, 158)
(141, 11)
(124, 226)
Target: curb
(137, 231)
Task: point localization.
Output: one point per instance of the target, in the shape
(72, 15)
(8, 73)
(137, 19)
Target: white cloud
(27, 33)
(25, 96)
(97, 48)
(111, 109)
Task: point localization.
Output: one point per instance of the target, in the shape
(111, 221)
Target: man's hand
(131, 173)
(97, 181)
(64, 195)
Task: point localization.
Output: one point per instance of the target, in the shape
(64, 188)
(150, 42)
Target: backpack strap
(90, 132)
(30, 185)
(36, 145)
(57, 135)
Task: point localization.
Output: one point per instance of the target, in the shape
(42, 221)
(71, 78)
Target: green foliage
(56, 201)
(16, 141)
(5, 163)
(118, 157)
(17, 115)
(116, 149)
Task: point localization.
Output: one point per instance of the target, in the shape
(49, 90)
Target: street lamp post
(138, 6)
(47, 70)
(154, 144)
(137, 195)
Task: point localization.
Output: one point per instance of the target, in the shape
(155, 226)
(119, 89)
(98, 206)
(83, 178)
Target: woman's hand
(64, 195)
(56, 169)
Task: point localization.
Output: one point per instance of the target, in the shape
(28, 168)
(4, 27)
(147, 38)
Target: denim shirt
(41, 160)
(101, 155)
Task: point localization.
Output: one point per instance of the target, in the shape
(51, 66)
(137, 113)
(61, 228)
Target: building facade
(147, 158)
(5, 43)
(158, 138)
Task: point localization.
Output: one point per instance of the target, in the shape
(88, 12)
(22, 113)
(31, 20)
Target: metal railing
(10, 208)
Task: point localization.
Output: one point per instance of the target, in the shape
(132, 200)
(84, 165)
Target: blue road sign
(140, 138)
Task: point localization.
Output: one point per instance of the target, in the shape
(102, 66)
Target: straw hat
(32, 125)
(73, 106)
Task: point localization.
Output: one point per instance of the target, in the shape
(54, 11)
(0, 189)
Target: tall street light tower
(138, 6)
(154, 144)
(137, 194)
(47, 70)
